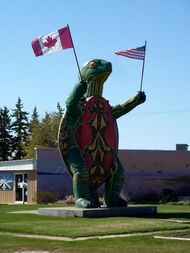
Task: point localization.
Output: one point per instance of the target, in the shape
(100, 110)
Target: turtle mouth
(102, 77)
(95, 85)
(99, 78)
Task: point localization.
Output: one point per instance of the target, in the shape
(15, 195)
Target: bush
(45, 198)
(168, 196)
(68, 200)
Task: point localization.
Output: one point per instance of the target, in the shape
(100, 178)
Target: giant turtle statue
(88, 138)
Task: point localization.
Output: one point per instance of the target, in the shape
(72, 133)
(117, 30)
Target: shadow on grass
(178, 215)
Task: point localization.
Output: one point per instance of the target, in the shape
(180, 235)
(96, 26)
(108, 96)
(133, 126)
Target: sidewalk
(69, 239)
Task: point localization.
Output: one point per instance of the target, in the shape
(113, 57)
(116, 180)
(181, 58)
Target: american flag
(135, 53)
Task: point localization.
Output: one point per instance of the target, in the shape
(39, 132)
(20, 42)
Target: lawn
(79, 227)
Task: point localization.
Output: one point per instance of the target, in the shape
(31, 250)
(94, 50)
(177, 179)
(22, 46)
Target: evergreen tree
(50, 125)
(49, 139)
(43, 133)
(56, 118)
(60, 110)
(35, 117)
(35, 134)
(6, 139)
(20, 128)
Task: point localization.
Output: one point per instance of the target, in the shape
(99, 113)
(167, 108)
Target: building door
(21, 188)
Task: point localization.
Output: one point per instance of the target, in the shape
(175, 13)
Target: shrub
(69, 200)
(45, 197)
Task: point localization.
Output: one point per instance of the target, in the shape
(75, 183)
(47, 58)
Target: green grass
(78, 227)
(142, 244)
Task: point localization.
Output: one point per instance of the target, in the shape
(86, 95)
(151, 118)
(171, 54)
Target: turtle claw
(84, 203)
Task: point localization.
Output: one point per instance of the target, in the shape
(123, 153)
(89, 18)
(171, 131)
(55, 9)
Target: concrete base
(130, 211)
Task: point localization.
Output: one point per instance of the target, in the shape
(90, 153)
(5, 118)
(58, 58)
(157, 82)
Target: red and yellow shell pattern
(97, 138)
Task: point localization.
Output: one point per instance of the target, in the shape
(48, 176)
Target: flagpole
(74, 52)
(143, 68)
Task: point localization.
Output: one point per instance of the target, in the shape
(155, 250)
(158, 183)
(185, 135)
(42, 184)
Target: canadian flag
(53, 42)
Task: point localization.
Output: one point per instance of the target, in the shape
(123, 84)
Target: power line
(154, 134)
(161, 112)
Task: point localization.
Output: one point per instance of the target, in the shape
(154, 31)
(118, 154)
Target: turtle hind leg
(81, 189)
(112, 196)
(114, 186)
(79, 170)
(86, 196)
(95, 197)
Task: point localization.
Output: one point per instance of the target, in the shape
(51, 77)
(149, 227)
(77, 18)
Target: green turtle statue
(88, 138)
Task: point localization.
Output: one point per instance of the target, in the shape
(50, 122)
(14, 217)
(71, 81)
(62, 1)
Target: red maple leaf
(50, 42)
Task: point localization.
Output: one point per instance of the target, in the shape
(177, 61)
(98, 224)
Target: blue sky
(98, 29)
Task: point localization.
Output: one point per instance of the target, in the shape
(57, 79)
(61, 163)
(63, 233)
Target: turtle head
(95, 73)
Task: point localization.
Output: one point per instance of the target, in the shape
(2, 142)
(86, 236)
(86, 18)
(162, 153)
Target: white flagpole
(143, 68)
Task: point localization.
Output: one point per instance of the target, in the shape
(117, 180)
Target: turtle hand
(141, 97)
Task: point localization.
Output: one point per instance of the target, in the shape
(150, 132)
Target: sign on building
(6, 181)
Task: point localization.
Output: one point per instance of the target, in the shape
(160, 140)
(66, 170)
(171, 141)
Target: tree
(55, 122)
(49, 137)
(35, 117)
(35, 133)
(49, 129)
(43, 133)
(20, 128)
(60, 110)
(6, 138)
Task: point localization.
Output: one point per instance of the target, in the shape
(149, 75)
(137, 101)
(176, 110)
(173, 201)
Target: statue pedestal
(130, 211)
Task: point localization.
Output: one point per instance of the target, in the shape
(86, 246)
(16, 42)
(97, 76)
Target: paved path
(172, 238)
(69, 239)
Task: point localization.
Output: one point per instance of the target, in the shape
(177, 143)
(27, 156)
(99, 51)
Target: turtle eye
(92, 64)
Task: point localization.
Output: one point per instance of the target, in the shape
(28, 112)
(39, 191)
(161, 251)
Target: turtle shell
(97, 137)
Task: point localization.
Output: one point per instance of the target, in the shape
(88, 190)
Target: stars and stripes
(135, 53)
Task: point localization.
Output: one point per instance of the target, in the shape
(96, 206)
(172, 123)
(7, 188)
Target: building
(18, 181)
(52, 175)
(150, 175)
(156, 174)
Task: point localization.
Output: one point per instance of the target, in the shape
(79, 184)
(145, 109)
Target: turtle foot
(120, 203)
(84, 203)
